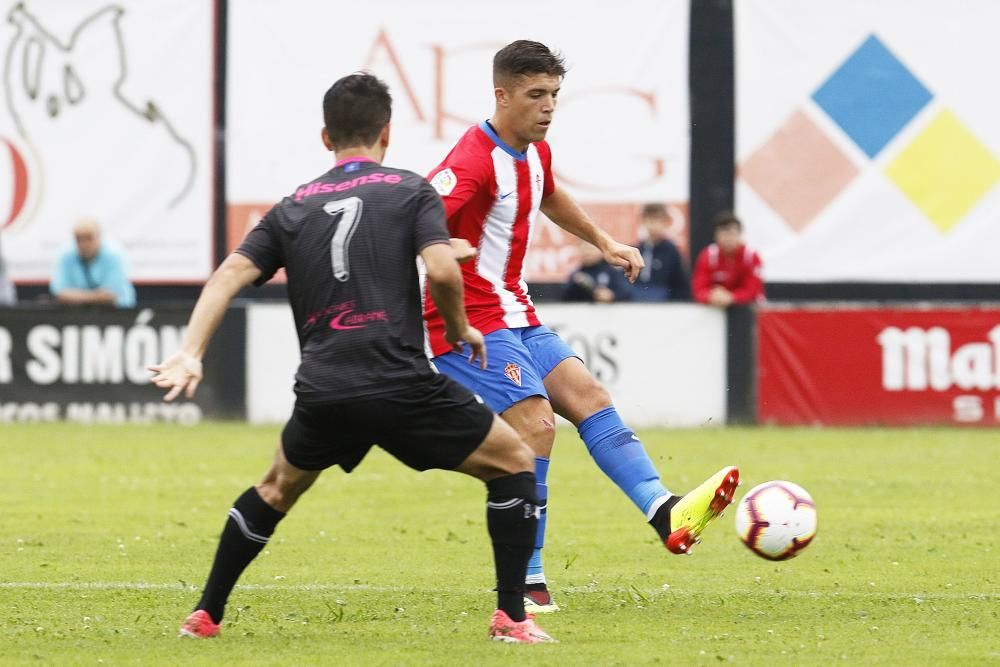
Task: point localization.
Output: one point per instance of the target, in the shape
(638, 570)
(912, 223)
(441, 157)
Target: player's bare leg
(534, 421)
(506, 464)
(503, 452)
(576, 395)
(250, 524)
(283, 483)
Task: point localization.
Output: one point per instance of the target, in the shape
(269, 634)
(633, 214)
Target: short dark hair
(726, 219)
(355, 109)
(524, 58)
(655, 210)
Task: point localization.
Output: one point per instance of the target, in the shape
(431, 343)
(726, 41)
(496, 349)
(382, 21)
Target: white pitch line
(947, 595)
(178, 586)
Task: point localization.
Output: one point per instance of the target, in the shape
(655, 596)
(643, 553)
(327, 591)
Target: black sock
(661, 519)
(251, 522)
(512, 519)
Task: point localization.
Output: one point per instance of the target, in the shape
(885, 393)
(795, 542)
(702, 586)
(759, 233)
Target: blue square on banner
(872, 96)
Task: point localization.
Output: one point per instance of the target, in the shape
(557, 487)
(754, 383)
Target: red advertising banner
(879, 366)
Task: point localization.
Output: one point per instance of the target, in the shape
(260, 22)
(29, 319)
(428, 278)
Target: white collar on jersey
(491, 133)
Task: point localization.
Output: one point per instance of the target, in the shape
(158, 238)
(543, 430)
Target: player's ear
(502, 97)
(326, 139)
(383, 137)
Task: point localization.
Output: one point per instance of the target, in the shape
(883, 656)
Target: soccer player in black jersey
(349, 240)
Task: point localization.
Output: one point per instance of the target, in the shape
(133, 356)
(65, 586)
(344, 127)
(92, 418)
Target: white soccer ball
(776, 520)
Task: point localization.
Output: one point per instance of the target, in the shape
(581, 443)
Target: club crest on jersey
(444, 182)
(513, 373)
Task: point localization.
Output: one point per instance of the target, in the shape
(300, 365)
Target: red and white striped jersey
(491, 195)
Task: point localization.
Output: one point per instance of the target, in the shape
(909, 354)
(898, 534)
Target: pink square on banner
(798, 171)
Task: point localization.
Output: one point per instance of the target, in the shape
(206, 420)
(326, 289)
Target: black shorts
(434, 423)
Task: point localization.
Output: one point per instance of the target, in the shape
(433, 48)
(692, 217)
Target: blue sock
(535, 573)
(620, 454)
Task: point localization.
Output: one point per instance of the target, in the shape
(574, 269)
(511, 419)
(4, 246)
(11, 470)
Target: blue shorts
(517, 362)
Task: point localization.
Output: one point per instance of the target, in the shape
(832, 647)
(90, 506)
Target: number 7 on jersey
(348, 212)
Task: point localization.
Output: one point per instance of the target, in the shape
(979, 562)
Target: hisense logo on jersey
(916, 359)
(320, 188)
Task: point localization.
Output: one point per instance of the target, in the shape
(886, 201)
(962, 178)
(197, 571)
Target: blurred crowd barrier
(664, 365)
(669, 365)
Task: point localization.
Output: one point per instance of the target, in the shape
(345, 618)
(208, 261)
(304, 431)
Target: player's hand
(472, 337)
(179, 371)
(462, 250)
(625, 256)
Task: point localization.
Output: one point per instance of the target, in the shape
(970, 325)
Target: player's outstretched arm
(445, 281)
(565, 212)
(182, 370)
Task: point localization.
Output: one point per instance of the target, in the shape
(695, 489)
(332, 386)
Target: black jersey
(348, 241)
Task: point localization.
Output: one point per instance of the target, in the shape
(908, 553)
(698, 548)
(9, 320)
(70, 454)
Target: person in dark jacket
(664, 277)
(595, 280)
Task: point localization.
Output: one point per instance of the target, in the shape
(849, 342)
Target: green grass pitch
(106, 532)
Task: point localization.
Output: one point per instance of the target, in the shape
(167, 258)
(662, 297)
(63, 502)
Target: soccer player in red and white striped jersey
(494, 182)
(492, 194)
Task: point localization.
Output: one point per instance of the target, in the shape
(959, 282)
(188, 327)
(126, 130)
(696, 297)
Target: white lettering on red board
(917, 359)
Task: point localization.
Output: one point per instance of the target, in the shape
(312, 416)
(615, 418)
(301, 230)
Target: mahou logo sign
(916, 359)
(879, 366)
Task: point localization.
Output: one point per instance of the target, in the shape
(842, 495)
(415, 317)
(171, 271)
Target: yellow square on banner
(945, 170)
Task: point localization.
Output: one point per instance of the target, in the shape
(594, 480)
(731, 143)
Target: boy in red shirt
(727, 271)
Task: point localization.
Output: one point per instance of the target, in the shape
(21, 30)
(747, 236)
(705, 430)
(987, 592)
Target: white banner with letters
(867, 139)
(619, 138)
(664, 365)
(107, 114)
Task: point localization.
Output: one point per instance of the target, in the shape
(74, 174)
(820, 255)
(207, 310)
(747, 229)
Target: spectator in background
(663, 278)
(8, 296)
(596, 281)
(727, 271)
(93, 272)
